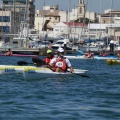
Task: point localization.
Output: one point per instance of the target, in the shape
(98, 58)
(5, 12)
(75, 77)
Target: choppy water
(71, 98)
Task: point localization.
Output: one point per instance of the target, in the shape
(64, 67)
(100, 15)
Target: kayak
(96, 57)
(11, 69)
(33, 72)
(19, 55)
(113, 62)
(38, 73)
(77, 57)
(105, 58)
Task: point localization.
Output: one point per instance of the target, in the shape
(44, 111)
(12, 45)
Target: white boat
(105, 58)
(11, 69)
(38, 73)
(32, 72)
(96, 57)
(77, 57)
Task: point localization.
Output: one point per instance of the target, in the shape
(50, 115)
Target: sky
(93, 5)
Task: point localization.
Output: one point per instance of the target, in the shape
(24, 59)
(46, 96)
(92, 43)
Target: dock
(33, 51)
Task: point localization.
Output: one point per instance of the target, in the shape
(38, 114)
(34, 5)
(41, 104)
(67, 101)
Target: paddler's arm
(51, 64)
(71, 69)
(69, 66)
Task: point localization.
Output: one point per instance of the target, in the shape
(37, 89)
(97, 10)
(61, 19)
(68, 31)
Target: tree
(85, 20)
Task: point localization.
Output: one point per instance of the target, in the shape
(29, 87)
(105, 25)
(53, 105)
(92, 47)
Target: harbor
(59, 60)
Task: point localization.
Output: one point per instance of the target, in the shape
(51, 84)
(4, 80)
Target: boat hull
(113, 62)
(105, 58)
(77, 57)
(38, 73)
(11, 69)
(95, 57)
(32, 72)
(19, 55)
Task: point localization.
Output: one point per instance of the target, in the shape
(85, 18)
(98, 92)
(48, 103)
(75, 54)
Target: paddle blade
(22, 63)
(82, 75)
(38, 61)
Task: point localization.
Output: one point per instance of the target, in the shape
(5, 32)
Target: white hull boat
(105, 58)
(38, 73)
(11, 69)
(32, 72)
(77, 57)
(95, 57)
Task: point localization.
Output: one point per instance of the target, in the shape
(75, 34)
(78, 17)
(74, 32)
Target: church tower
(80, 9)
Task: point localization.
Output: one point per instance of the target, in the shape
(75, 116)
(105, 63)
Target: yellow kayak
(113, 62)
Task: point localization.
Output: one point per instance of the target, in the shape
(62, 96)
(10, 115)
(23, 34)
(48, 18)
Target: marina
(59, 64)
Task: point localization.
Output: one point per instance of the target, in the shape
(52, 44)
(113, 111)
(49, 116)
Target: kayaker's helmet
(49, 51)
(61, 50)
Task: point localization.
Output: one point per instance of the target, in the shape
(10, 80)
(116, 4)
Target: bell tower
(80, 9)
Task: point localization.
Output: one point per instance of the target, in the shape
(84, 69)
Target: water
(70, 98)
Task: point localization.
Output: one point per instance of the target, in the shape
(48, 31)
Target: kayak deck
(32, 72)
(113, 62)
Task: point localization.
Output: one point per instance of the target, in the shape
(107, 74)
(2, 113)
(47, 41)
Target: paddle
(41, 62)
(81, 75)
(37, 60)
(34, 59)
(23, 63)
(81, 52)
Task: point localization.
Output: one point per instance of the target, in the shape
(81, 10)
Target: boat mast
(100, 20)
(89, 26)
(111, 17)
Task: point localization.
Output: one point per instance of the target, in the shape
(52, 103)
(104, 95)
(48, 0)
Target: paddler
(118, 54)
(60, 64)
(103, 53)
(9, 53)
(45, 61)
(89, 54)
(49, 57)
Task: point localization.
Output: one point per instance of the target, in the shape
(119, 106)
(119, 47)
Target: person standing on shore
(111, 46)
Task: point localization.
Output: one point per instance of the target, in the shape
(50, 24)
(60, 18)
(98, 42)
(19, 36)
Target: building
(81, 9)
(50, 15)
(71, 29)
(6, 22)
(25, 8)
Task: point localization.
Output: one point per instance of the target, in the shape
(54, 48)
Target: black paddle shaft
(38, 61)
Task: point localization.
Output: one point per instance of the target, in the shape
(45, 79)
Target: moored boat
(113, 62)
(19, 55)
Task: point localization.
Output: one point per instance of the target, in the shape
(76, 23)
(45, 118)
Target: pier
(33, 51)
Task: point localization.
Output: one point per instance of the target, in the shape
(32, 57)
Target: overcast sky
(93, 5)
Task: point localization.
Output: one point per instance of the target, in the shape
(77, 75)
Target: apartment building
(25, 8)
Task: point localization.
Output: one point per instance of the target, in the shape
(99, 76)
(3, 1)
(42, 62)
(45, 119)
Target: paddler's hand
(72, 70)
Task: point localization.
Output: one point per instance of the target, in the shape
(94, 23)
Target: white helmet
(61, 50)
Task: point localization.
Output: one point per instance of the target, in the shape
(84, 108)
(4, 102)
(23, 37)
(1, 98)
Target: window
(4, 18)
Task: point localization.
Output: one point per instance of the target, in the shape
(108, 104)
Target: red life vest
(89, 55)
(47, 60)
(103, 54)
(118, 55)
(61, 63)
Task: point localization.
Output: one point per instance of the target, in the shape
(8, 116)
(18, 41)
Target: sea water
(63, 98)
